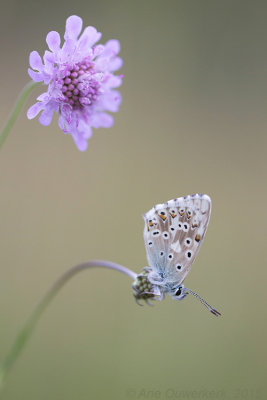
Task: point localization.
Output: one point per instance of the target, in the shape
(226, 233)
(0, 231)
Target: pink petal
(102, 120)
(49, 57)
(61, 124)
(73, 27)
(85, 129)
(46, 116)
(36, 61)
(49, 60)
(36, 76)
(114, 81)
(53, 41)
(44, 97)
(68, 50)
(34, 110)
(115, 64)
(66, 112)
(80, 142)
(98, 50)
(89, 37)
(113, 45)
(111, 101)
(102, 63)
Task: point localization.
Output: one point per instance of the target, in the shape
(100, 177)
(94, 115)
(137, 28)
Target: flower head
(80, 79)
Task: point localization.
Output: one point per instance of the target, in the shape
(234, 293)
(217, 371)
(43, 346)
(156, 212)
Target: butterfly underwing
(174, 232)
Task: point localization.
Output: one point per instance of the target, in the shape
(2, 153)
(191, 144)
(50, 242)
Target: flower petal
(49, 58)
(68, 50)
(46, 116)
(53, 41)
(111, 101)
(102, 63)
(113, 46)
(115, 64)
(84, 129)
(62, 124)
(89, 37)
(36, 61)
(44, 97)
(66, 112)
(36, 76)
(97, 50)
(102, 119)
(34, 110)
(80, 141)
(73, 27)
(113, 81)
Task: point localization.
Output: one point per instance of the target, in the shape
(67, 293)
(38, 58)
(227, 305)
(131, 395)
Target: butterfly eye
(179, 267)
(178, 292)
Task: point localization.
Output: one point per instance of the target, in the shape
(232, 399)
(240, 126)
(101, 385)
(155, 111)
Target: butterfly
(173, 234)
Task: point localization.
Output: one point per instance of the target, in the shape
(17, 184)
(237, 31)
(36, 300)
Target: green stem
(28, 328)
(15, 112)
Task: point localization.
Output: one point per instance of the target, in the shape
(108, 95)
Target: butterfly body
(173, 234)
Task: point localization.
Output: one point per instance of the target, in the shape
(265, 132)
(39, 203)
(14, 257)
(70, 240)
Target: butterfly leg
(148, 303)
(137, 301)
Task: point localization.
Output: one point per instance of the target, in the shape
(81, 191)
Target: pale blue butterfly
(173, 234)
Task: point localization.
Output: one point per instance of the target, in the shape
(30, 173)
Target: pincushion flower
(80, 81)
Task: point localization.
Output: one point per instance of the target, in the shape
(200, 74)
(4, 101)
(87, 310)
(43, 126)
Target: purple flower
(80, 81)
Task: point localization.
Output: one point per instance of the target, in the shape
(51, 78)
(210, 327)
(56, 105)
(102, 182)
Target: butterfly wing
(173, 234)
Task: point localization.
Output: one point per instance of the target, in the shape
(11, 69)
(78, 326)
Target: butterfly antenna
(205, 304)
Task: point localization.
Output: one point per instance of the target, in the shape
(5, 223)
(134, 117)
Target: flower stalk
(16, 110)
(25, 333)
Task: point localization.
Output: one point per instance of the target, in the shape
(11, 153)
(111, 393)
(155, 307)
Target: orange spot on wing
(163, 217)
(149, 224)
(197, 238)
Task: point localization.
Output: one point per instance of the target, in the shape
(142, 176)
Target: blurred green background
(193, 119)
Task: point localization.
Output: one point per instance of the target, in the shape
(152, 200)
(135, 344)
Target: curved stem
(26, 331)
(15, 112)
